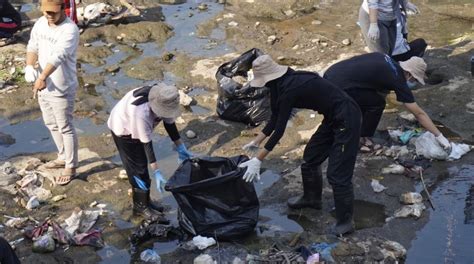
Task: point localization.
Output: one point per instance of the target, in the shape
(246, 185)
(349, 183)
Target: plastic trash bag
(237, 102)
(213, 199)
(427, 146)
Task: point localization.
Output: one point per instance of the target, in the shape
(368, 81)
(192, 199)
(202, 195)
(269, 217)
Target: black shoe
(140, 204)
(312, 189)
(155, 206)
(344, 201)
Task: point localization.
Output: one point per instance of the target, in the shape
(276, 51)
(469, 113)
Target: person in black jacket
(337, 137)
(368, 78)
(7, 255)
(10, 20)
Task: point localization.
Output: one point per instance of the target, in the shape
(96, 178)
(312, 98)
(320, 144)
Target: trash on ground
(150, 256)
(123, 175)
(313, 259)
(275, 255)
(407, 116)
(202, 242)
(394, 169)
(397, 152)
(458, 150)
(324, 249)
(204, 259)
(411, 198)
(241, 102)
(394, 250)
(408, 134)
(44, 244)
(215, 186)
(33, 203)
(16, 222)
(376, 186)
(59, 197)
(80, 221)
(159, 228)
(410, 210)
(427, 146)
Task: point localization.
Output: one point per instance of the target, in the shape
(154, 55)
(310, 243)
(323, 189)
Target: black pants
(337, 139)
(371, 105)
(7, 255)
(417, 48)
(132, 154)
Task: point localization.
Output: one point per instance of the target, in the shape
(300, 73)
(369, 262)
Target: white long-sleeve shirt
(138, 121)
(56, 45)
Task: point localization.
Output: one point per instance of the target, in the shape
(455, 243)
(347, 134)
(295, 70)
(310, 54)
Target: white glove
(443, 142)
(31, 74)
(253, 169)
(251, 148)
(412, 8)
(374, 32)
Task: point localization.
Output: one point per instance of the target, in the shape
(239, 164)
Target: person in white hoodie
(53, 44)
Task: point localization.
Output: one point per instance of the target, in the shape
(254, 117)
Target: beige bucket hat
(265, 70)
(164, 100)
(416, 66)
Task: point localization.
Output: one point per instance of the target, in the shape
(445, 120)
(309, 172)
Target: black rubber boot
(141, 200)
(312, 189)
(344, 201)
(155, 205)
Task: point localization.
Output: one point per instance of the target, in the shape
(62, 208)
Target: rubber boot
(155, 205)
(344, 201)
(312, 189)
(141, 200)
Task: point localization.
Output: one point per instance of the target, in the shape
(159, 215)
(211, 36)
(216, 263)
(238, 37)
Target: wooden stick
(426, 190)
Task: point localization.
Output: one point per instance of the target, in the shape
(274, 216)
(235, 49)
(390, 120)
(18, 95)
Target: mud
(308, 35)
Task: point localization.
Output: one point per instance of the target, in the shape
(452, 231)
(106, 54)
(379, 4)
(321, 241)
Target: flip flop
(71, 176)
(55, 164)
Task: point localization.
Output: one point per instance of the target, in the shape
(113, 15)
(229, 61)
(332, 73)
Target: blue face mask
(411, 84)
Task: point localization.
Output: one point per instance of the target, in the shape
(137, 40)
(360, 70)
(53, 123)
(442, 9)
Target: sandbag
(213, 199)
(237, 102)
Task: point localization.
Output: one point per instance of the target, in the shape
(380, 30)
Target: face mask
(411, 85)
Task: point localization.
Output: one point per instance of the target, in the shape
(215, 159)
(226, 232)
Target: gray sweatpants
(388, 34)
(57, 116)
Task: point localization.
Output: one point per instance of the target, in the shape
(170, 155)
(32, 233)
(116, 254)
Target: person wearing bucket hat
(368, 78)
(132, 121)
(336, 138)
(51, 67)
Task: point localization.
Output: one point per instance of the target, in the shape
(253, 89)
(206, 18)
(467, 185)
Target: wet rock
(112, 68)
(347, 249)
(411, 198)
(6, 140)
(184, 99)
(146, 69)
(172, 2)
(271, 8)
(346, 42)
(167, 56)
(190, 134)
(393, 249)
(202, 7)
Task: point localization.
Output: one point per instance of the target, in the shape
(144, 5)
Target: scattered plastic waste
(313, 259)
(410, 210)
(411, 198)
(397, 152)
(395, 134)
(150, 256)
(59, 197)
(123, 175)
(393, 249)
(377, 186)
(44, 244)
(203, 242)
(32, 203)
(159, 228)
(393, 169)
(16, 222)
(204, 259)
(324, 249)
(80, 221)
(427, 146)
(458, 150)
(407, 116)
(407, 135)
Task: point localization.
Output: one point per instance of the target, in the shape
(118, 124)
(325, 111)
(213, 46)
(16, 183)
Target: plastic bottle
(150, 256)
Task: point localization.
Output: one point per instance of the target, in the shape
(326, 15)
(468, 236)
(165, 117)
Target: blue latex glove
(159, 181)
(183, 153)
(141, 184)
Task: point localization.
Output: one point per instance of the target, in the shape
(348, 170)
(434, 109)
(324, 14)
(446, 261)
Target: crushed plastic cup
(150, 256)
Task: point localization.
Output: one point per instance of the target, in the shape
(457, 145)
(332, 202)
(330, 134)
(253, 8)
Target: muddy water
(448, 236)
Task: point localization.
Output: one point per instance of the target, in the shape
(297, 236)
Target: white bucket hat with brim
(164, 100)
(416, 66)
(265, 70)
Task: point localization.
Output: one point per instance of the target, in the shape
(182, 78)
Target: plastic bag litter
(204, 259)
(376, 186)
(80, 221)
(411, 198)
(150, 256)
(393, 169)
(324, 249)
(313, 259)
(203, 242)
(458, 150)
(410, 210)
(44, 244)
(159, 228)
(213, 199)
(237, 102)
(32, 203)
(427, 146)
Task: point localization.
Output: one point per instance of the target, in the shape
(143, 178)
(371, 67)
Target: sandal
(55, 164)
(68, 176)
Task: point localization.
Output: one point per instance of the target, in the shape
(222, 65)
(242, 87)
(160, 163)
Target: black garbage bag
(213, 199)
(246, 104)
